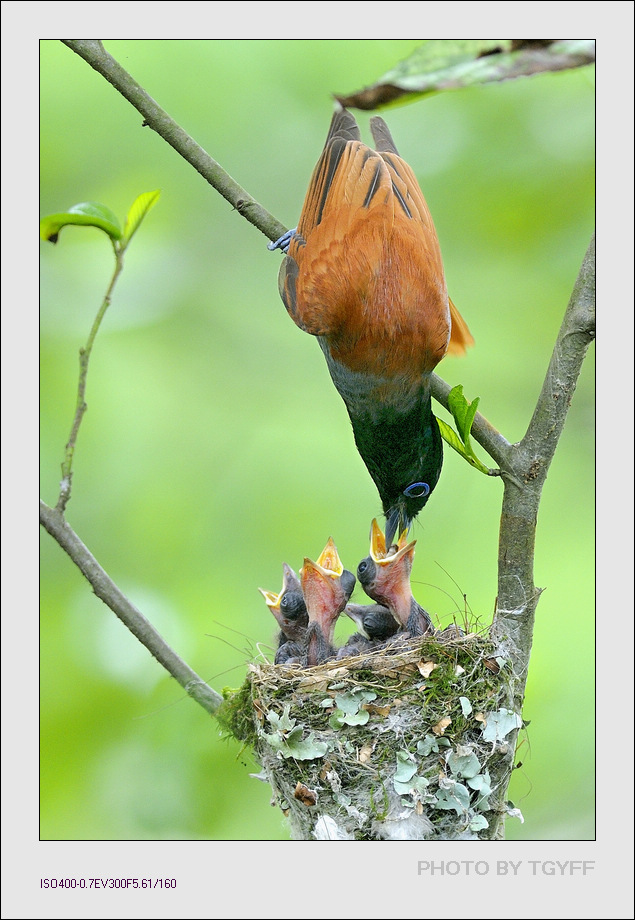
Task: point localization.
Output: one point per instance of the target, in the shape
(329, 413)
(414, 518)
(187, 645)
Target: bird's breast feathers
(369, 394)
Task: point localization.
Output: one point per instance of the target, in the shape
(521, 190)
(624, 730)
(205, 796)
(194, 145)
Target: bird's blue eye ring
(417, 490)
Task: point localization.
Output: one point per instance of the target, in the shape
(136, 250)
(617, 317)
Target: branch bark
(529, 462)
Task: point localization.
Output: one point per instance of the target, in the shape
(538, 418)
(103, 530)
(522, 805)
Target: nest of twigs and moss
(410, 741)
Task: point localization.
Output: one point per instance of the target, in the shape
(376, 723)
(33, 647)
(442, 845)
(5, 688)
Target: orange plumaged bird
(363, 273)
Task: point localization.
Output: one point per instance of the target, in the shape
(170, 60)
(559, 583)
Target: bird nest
(411, 741)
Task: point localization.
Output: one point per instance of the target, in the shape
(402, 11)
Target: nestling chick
(385, 577)
(326, 586)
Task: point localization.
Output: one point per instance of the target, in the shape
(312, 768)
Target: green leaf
(339, 718)
(281, 723)
(445, 64)
(463, 413)
(466, 706)
(305, 750)
(292, 745)
(336, 720)
(294, 735)
(351, 702)
(137, 212)
(416, 784)
(481, 782)
(349, 708)
(356, 718)
(429, 744)
(85, 214)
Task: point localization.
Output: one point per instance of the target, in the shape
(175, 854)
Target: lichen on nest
(405, 742)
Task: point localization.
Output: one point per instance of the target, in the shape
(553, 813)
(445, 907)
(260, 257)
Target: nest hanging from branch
(412, 741)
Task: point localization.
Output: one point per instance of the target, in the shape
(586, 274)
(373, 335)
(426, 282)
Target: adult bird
(385, 577)
(363, 273)
(326, 586)
(289, 610)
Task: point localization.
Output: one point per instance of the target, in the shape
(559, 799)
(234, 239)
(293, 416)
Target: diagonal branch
(576, 334)
(107, 591)
(487, 436)
(94, 53)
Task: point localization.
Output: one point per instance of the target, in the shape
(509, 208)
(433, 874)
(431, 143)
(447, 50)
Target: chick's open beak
(383, 555)
(272, 600)
(285, 618)
(290, 582)
(326, 586)
(329, 559)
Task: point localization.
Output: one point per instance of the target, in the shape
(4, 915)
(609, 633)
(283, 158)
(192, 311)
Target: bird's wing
(347, 212)
(460, 335)
(366, 252)
(364, 224)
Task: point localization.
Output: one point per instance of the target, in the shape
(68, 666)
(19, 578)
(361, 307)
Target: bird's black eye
(366, 571)
(417, 490)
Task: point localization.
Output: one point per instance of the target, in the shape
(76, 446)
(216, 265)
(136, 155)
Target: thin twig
(487, 436)
(80, 406)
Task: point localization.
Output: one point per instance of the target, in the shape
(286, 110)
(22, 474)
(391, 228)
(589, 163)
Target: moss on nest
(407, 742)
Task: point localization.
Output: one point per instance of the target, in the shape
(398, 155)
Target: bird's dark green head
(401, 510)
(404, 455)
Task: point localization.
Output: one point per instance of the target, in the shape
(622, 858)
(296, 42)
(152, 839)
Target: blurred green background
(215, 446)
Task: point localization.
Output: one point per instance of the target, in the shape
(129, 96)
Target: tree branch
(94, 53)
(529, 462)
(107, 591)
(487, 436)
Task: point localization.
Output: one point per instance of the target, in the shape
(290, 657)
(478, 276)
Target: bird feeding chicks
(363, 273)
(307, 608)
